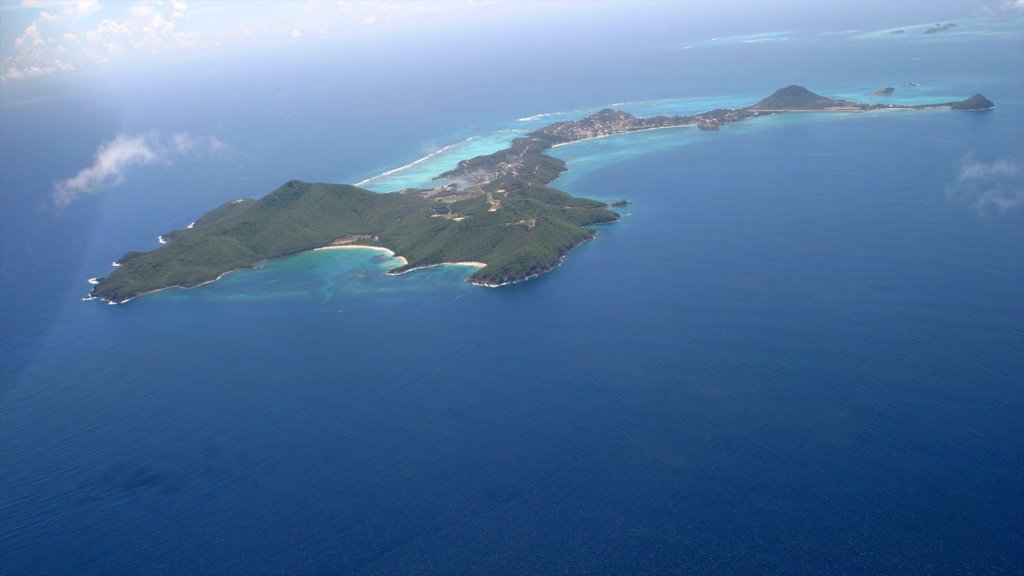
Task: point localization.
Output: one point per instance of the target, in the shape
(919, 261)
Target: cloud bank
(987, 186)
(65, 36)
(117, 156)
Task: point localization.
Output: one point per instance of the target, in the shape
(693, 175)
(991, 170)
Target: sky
(45, 37)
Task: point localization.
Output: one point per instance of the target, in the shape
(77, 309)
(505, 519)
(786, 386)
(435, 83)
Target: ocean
(799, 351)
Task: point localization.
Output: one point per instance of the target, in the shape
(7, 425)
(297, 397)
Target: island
(976, 102)
(940, 28)
(496, 212)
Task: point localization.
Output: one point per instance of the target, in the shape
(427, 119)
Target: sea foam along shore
(387, 173)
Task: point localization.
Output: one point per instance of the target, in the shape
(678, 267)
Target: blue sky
(43, 37)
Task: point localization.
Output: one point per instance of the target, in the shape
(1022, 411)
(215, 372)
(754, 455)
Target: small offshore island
(495, 212)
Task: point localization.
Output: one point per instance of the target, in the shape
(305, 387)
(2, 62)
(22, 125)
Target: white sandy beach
(387, 251)
(391, 253)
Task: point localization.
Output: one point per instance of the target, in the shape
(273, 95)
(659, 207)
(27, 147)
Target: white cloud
(28, 72)
(34, 57)
(1003, 7)
(984, 186)
(71, 10)
(142, 28)
(71, 35)
(180, 9)
(30, 38)
(149, 32)
(974, 170)
(184, 142)
(115, 157)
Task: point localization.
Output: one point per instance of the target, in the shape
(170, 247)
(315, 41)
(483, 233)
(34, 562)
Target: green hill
(798, 98)
(976, 102)
(533, 230)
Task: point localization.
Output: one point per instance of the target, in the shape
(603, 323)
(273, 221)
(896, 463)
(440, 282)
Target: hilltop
(976, 102)
(797, 98)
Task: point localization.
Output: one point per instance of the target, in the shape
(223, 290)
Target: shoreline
(561, 260)
(402, 259)
(414, 162)
(391, 253)
(387, 251)
(825, 110)
(621, 133)
(425, 266)
(882, 108)
(758, 113)
(127, 300)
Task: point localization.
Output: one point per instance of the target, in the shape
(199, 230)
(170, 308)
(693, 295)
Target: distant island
(931, 30)
(495, 212)
(940, 28)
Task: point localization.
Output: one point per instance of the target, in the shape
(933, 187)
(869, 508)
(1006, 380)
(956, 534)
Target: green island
(495, 211)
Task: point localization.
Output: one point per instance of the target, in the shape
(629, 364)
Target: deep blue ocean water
(800, 351)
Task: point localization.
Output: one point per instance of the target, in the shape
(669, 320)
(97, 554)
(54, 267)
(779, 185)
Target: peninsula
(496, 210)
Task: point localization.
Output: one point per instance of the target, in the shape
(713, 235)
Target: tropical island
(495, 211)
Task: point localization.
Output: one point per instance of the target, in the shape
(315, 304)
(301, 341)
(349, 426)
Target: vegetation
(799, 98)
(976, 102)
(534, 229)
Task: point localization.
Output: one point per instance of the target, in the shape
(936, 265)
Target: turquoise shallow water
(420, 172)
(325, 276)
(799, 352)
